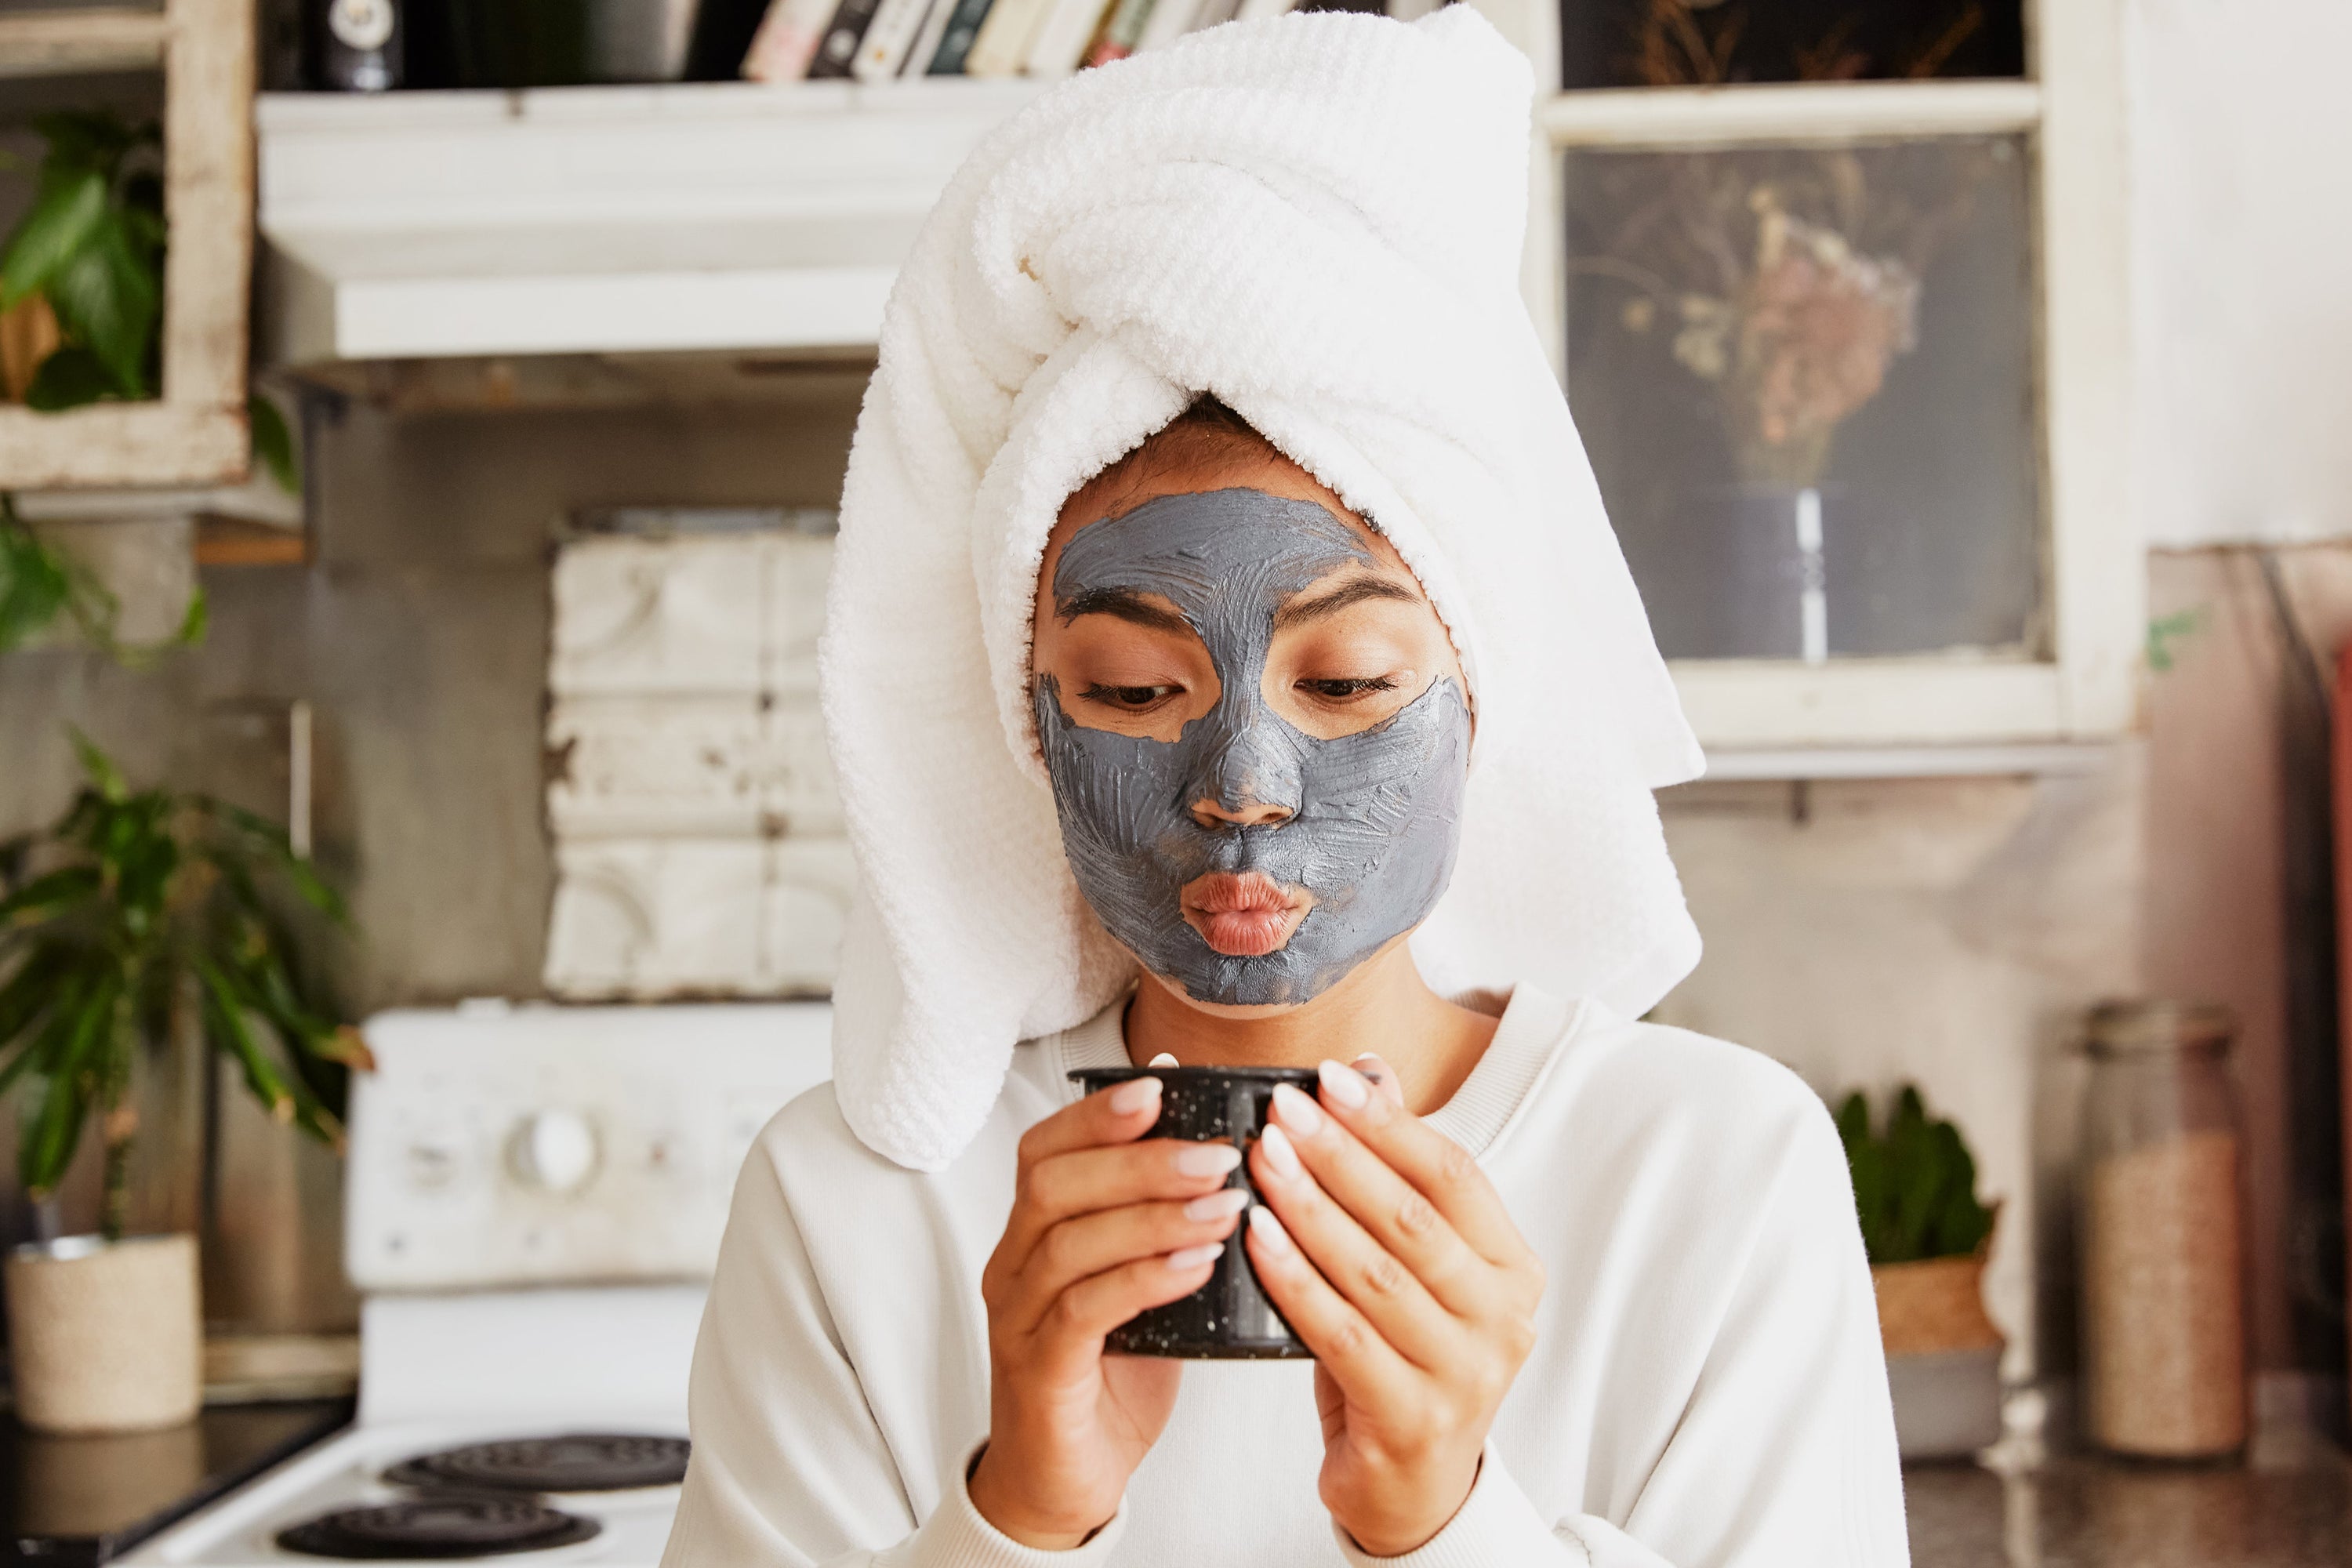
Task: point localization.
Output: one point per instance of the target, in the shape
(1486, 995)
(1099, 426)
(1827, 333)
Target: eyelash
(1341, 690)
(1129, 699)
(1142, 699)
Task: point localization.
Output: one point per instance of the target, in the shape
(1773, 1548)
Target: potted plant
(141, 916)
(1927, 1236)
(81, 291)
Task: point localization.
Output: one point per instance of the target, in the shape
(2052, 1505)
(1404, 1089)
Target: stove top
(434, 1528)
(573, 1462)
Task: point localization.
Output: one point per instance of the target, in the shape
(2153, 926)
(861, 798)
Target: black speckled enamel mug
(1228, 1318)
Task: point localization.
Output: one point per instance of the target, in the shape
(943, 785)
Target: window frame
(2070, 109)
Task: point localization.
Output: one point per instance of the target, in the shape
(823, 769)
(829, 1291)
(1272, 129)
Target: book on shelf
(889, 38)
(925, 47)
(1068, 28)
(955, 43)
(1257, 10)
(1120, 31)
(787, 38)
(1002, 46)
(837, 53)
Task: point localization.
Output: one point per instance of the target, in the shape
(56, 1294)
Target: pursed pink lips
(1243, 915)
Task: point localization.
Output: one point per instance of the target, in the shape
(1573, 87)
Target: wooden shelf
(1792, 112)
(82, 41)
(121, 444)
(195, 432)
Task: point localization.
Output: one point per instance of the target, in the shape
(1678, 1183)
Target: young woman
(1225, 641)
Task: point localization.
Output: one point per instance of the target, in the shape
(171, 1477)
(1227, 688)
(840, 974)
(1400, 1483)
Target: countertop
(85, 1499)
(2288, 1512)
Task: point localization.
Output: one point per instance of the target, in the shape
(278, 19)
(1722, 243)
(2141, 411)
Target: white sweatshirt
(1707, 1386)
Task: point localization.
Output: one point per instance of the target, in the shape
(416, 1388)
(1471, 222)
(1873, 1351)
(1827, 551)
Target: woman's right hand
(1104, 1226)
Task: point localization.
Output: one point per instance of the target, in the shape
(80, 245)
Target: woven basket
(1933, 1306)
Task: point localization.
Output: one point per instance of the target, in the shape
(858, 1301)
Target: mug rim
(1093, 1077)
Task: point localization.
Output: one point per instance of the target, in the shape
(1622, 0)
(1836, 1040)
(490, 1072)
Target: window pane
(1693, 43)
(1805, 376)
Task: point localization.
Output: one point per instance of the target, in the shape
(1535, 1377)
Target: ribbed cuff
(1495, 1525)
(956, 1536)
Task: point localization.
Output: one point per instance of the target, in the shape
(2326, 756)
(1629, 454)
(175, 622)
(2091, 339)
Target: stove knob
(554, 1151)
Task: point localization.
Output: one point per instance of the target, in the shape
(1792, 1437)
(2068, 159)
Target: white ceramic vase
(106, 1336)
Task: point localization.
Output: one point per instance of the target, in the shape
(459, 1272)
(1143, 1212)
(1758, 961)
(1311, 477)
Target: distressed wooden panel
(208, 198)
(121, 444)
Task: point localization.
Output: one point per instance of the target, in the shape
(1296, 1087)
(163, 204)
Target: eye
(1130, 699)
(1348, 689)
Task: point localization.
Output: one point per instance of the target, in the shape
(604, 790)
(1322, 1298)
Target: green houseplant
(1914, 1185)
(1928, 1236)
(140, 918)
(90, 248)
(158, 911)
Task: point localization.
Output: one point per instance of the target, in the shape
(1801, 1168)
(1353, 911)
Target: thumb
(1384, 1077)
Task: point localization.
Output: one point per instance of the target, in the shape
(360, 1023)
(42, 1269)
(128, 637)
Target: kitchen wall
(420, 635)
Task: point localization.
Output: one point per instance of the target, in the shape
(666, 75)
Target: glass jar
(2164, 1366)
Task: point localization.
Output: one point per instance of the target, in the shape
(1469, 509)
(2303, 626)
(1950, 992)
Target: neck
(1383, 1006)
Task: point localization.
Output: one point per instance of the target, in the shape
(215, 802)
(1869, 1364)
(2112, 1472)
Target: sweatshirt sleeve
(789, 1468)
(1785, 1452)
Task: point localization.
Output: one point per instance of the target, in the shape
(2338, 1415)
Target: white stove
(533, 1202)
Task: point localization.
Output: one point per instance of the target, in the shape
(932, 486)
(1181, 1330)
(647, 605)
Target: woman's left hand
(1393, 1258)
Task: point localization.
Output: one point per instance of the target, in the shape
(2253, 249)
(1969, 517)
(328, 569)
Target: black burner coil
(574, 1462)
(437, 1528)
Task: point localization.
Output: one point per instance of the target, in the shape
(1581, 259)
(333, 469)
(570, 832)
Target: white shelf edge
(1787, 112)
(1811, 763)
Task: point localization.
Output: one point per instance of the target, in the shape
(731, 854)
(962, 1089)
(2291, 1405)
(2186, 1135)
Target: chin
(1224, 1009)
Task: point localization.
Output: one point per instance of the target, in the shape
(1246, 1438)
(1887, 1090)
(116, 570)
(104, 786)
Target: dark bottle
(354, 46)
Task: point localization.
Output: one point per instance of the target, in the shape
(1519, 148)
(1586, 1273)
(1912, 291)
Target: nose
(1251, 780)
(1214, 814)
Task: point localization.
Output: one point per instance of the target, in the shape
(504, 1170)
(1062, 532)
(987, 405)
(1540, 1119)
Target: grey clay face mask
(1374, 816)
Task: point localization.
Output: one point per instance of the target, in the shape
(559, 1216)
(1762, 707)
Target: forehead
(1200, 546)
(1292, 514)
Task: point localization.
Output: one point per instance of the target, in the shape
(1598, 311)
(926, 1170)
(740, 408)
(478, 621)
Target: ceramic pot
(1943, 1356)
(106, 1336)
(1228, 1318)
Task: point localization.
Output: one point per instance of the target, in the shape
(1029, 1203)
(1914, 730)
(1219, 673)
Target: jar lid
(2154, 1024)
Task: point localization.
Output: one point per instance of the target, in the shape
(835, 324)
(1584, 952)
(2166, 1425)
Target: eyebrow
(1355, 591)
(1123, 604)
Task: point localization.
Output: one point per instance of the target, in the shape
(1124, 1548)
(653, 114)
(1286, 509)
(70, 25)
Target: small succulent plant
(1915, 1185)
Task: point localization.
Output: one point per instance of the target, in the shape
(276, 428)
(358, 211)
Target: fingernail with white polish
(1224, 1204)
(1298, 1111)
(1279, 1153)
(1207, 1158)
(1268, 1230)
(1345, 1085)
(1194, 1257)
(1135, 1095)
(1164, 1060)
(1371, 1067)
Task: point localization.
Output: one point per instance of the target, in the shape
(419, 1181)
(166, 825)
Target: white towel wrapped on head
(1319, 219)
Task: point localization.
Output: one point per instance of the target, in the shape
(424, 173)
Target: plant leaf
(74, 1034)
(64, 886)
(273, 444)
(65, 214)
(71, 377)
(109, 302)
(104, 776)
(34, 582)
